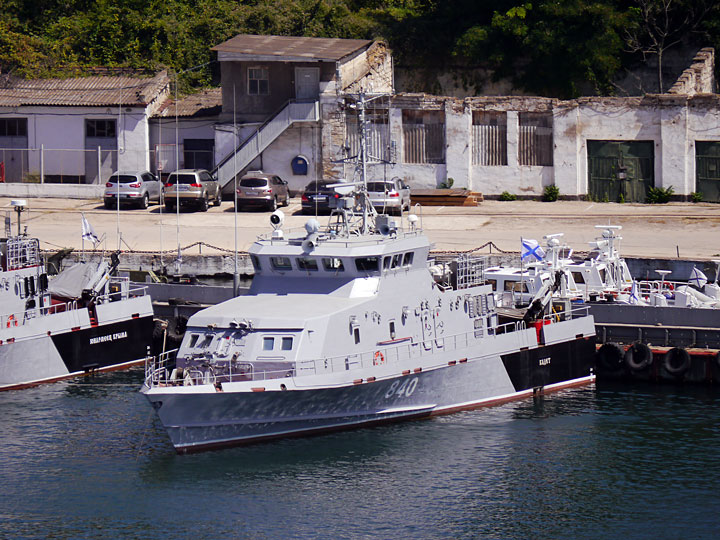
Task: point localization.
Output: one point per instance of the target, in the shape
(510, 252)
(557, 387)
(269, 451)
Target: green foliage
(659, 195)
(696, 196)
(621, 198)
(507, 196)
(551, 193)
(447, 184)
(547, 47)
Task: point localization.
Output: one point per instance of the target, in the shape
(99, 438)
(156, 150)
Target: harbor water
(88, 458)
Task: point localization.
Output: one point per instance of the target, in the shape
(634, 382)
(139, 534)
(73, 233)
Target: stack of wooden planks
(445, 197)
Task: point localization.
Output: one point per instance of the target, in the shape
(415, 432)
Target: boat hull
(209, 419)
(74, 351)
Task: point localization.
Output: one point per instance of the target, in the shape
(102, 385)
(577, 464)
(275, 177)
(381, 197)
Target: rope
(155, 252)
(478, 248)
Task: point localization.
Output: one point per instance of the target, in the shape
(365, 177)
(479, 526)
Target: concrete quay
(673, 231)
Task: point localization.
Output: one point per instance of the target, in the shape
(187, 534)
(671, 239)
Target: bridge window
(367, 264)
(408, 259)
(281, 263)
(333, 264)
(287, 343)
(255, 262)
(306, 263)
(268, 343)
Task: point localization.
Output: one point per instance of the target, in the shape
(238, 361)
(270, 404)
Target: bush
(551, 193)
(696, 196)
(658, 195)
(447, 184)
(505, 196)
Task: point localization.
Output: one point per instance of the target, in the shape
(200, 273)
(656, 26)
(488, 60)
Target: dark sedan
(316, 198)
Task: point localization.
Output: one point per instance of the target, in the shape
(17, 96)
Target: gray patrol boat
(352, 325)
(81, 321)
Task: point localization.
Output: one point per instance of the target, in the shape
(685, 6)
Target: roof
(205, 103)
(96, 90)
(294, 48)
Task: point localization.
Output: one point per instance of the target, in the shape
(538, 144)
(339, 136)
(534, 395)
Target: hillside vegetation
(558, 48)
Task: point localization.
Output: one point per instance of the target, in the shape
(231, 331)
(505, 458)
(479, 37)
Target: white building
(78, 130)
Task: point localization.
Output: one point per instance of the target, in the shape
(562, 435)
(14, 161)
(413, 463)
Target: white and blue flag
(88, 233)
(697, 278)
(531, 248)
(634, 296)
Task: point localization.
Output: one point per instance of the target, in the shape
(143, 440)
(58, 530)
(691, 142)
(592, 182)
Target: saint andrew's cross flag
(697, 278)
(88, 233)
(531, 248)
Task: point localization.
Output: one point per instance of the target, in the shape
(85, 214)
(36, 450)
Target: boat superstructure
(80, 321)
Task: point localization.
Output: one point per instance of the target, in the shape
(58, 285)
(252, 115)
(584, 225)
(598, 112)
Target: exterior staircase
(252, 147)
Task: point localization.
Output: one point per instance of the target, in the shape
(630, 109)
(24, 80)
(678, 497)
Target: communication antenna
(19, 206)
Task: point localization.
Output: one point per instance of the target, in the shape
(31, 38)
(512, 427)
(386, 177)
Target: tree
(658, 25)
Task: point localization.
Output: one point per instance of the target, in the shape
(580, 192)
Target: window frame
(101, 128)
(256, 75)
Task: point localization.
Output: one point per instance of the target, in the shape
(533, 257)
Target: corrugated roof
(295, 47)
(205, 103)
(97, 90)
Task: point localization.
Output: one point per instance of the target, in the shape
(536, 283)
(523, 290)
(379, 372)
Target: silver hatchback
(389, 195)
(135, 188)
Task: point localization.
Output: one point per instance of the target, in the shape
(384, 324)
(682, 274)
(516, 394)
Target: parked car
(135, 188)
(257, 188)
(389, 195)
(316, 197)
(191, 187)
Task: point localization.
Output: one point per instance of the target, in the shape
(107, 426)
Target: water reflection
(88, 458)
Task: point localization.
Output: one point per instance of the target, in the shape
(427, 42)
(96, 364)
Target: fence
(91, 166)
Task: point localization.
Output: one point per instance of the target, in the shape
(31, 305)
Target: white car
(389, 195)
(135, 188)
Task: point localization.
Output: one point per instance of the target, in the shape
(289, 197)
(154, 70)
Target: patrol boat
(351, 325)
(81, 321)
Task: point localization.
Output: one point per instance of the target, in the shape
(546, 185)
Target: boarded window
(489, 136)
(423, 136)
(379, 146)
(536, 138)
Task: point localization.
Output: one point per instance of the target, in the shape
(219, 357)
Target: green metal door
(707, 170)
(620, 170)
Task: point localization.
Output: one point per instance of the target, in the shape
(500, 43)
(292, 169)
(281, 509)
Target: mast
(363, 162)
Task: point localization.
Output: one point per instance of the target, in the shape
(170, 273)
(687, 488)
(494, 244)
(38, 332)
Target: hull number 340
(405, 389)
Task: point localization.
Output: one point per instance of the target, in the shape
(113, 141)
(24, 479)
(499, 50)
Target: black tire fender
(609, 357)
(676, 361)
(638, 357)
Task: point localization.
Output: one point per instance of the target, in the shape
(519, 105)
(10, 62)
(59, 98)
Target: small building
(77, 130)
(282, 98)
